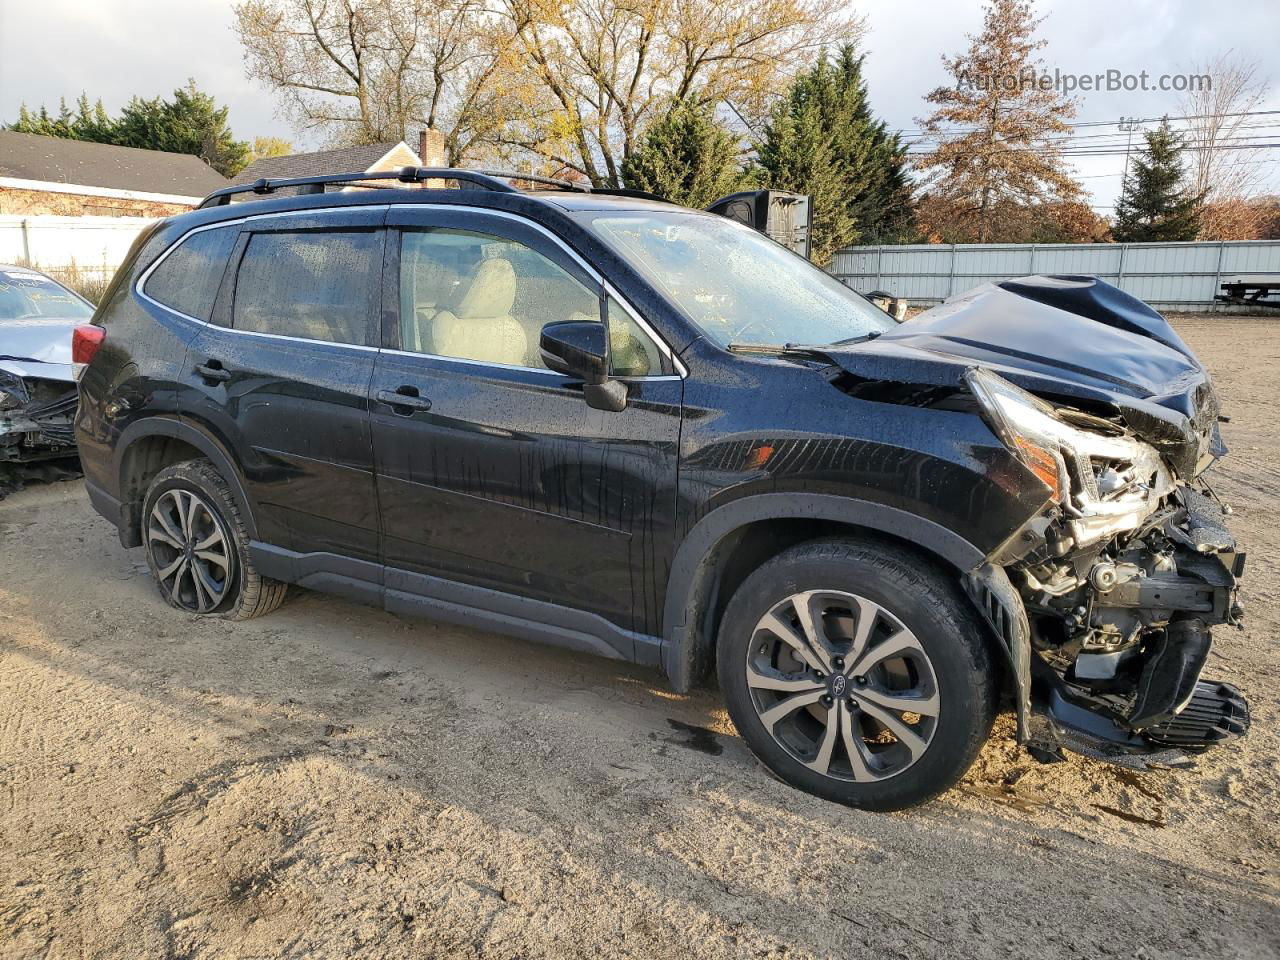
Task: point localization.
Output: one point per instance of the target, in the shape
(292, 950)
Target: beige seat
(434, 286)
(480, 325)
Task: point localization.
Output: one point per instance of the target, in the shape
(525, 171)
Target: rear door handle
(212, 372)
(404, 400)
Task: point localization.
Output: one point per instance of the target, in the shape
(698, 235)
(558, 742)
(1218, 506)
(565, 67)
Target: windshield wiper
(801, 349)
(781, 350)
(849, 341)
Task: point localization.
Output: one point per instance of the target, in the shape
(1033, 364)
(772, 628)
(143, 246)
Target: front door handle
(211, 372)
(404, 400)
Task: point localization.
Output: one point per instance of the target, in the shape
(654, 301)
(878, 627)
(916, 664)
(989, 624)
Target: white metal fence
(1169, 276)
(92, 246)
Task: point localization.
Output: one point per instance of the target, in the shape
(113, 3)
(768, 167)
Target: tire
(914, 698)
(190, 504)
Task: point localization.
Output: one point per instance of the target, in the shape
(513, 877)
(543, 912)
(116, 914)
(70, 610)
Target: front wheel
(856, 673)
(197, 546)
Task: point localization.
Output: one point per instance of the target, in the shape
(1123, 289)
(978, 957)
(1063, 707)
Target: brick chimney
(431, 147)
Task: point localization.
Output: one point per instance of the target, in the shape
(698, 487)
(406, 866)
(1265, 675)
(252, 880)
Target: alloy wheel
(190, 551)
(842, 685)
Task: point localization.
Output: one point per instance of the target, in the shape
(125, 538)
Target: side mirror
(895, 307)
(580, 349)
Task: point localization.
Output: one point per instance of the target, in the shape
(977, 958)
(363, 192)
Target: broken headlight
(12, 393)
(1119, 479)
(1027, 426)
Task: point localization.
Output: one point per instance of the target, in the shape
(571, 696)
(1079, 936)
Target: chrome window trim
(609, 289)
(513, 366)
(470, 362)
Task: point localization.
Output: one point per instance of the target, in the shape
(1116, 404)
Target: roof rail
(535, 178)
(577, 187)
(264, 186)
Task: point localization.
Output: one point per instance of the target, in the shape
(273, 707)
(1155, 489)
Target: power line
(1116, 139)
(1091, 151)
(1111, 123)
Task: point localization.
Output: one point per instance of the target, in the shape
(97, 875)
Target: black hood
(1069, 339)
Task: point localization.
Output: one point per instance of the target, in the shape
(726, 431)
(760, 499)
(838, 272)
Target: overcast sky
(116, 48)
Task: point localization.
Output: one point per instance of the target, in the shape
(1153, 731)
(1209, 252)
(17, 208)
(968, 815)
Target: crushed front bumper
(40, 425)
(1107, 654)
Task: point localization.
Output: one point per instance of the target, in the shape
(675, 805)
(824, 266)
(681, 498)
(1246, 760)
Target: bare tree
(598, 71)
(1223, 168)
(366, 71)
(994, 128)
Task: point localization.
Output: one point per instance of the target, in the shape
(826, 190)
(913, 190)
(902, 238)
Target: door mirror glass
(581, 350)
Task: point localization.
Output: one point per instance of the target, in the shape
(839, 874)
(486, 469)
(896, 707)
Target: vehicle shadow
(335, 775)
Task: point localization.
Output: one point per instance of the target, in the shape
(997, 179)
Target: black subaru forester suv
(652, 433)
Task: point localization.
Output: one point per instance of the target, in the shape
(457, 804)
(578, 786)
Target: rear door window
(187, 279)
(314, 285)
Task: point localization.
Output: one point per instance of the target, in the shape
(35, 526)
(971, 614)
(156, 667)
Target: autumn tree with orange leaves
(997, 129)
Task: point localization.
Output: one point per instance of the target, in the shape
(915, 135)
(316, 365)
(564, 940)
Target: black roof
(541, 205)
(28, 156)
(314, 164)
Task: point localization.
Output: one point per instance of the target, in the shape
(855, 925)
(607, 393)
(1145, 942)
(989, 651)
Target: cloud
(115, 49)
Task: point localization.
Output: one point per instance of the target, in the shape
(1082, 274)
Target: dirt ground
(333, 781)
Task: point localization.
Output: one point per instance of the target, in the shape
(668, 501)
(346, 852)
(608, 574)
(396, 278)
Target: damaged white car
(37, 380)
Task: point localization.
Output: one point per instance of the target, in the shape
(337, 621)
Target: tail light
(85, 341)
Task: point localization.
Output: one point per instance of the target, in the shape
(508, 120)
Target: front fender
(686, 641)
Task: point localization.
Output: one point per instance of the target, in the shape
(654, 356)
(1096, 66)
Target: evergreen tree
(1155, 205)
(881, 206)
(43, 123)
(191, 123)
(92, 123)
(822, 140)
(686, 157)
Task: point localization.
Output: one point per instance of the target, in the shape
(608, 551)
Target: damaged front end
(1115, 585)
(37, 438)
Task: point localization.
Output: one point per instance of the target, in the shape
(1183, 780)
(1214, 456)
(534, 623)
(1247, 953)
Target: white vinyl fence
(88, 246)
(1169, 276)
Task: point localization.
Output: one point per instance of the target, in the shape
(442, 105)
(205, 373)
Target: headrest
(491, 293)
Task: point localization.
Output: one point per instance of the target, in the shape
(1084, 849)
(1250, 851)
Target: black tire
(243, 593)
(946, 664)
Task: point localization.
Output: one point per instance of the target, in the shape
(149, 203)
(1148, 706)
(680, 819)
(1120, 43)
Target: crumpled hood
(37, 348)
(1066, 338)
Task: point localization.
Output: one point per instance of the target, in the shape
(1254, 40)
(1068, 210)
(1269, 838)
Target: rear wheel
(197, 547)
(856, 673)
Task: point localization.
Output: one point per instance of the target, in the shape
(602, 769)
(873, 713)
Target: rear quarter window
(187, 279)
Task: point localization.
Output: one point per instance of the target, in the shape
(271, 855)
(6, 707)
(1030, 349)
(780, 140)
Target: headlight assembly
(1027, 426)
(12, 393)
(1119, 480)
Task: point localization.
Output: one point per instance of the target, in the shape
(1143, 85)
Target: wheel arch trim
(173, 428)
(691, 581)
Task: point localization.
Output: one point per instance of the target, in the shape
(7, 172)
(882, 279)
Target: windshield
(25, 294)
(735, 283)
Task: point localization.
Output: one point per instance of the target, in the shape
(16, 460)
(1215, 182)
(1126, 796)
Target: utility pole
(1128, 126)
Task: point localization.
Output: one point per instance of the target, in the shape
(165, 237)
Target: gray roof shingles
(27, 156)
(341, 160)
